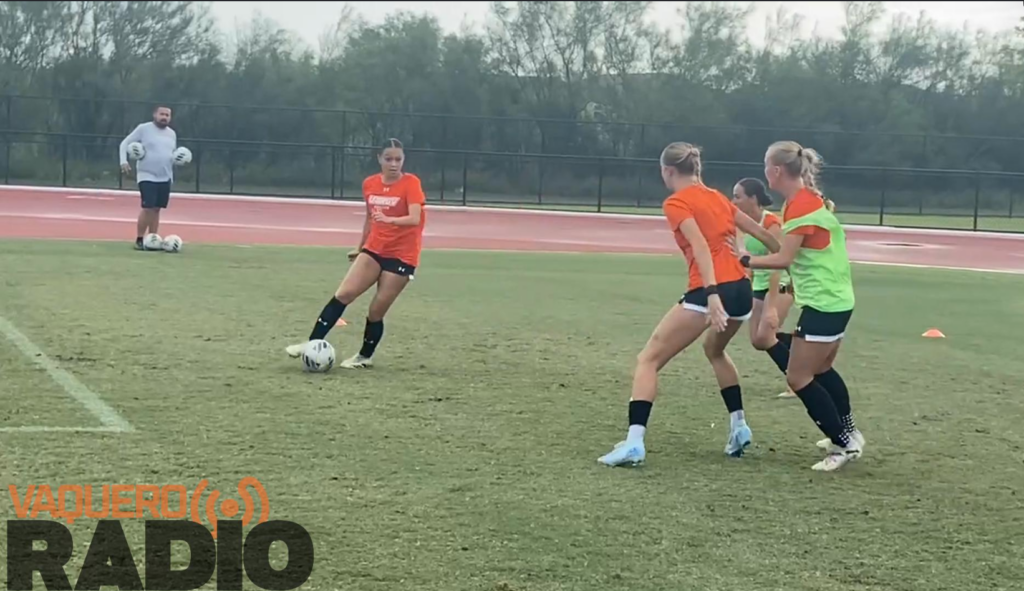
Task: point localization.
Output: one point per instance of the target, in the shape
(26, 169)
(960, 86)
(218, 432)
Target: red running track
(89, 214)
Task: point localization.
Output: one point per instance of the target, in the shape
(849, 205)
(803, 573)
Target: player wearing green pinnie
(770, 309)
(814, 252)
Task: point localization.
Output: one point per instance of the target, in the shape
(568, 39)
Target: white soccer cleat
(855, 438)
(357, 361)
(295, 350)
(625, 453)
(837, 458)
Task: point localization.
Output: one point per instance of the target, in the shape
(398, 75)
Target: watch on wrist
(745, 260)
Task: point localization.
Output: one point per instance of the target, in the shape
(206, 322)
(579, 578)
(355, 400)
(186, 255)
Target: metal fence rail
(912, 197)
(500, 134)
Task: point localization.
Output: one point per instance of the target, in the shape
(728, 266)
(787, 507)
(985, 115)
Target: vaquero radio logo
(38, 541)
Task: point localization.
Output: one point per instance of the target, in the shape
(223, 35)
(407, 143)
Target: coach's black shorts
(155, 195)
(815, 326)
(396, 266)
(761, 293)
(737, 299)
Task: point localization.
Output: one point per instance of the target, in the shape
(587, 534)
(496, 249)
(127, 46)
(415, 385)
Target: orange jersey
(388, 240)
(716, 217)
(802, 203)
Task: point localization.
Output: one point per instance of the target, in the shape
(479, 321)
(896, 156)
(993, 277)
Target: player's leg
(814, 345)
(163, 197)
(360, 277)
(148, 200)
(830, 379)
(729, 386)
(393, 280)
(678, 329)
(783, 304)
(765, 330)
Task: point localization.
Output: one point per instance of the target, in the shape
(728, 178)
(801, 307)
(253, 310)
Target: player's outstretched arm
(749, 226)
(779, 260)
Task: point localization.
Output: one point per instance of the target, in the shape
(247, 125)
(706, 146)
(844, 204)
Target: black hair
(755, 188)
(162, 106)
(392, 143)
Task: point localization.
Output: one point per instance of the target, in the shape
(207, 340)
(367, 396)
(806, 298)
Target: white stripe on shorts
(704, 310)
(821, 339)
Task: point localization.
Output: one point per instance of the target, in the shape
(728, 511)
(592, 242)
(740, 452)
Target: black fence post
(444, 165)
(465, 175)
(600, 183)
(977, 198)
(64, 161)
(334, 169)
(231, 171)
(881, 207)
(199, 163)
(540, 165)
(7, 108)
(7, 159)
(341, 172)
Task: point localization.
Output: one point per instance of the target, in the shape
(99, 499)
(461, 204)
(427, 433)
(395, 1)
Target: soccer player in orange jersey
(387, 255)
(703, 222)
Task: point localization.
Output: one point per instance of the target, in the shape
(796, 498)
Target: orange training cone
(933, 333)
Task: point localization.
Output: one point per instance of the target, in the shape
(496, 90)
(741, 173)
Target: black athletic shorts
(395, 266)
(155, 195)
(737, 299)
(759, 294)
(815, 326)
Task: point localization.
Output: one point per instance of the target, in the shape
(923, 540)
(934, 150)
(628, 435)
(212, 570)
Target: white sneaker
(856, 437)
(357, 361)
(787, 394)
(837, 458)
(295, 350)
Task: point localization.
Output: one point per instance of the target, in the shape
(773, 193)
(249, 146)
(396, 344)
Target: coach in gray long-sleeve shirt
(155, 171)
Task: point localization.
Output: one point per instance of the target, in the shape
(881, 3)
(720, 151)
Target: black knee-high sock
(785, 338)
(639, 412)
(328, 318)
(822, 411)
(733, 398)
(372, 335)
(833, 382)
(779, 353)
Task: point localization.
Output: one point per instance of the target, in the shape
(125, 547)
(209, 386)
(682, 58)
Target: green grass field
(466, 460)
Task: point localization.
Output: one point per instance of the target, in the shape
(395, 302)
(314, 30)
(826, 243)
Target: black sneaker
(138, 244)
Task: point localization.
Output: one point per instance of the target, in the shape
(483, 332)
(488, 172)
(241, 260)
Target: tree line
(889, 91)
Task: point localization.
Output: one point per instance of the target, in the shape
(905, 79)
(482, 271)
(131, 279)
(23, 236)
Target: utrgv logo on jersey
(220, 545)
(383, 201)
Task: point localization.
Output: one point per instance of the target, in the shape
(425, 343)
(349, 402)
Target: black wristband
(745, 260)
(711, 290)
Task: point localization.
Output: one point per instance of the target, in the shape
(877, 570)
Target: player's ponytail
(800, 162)
(683, 157)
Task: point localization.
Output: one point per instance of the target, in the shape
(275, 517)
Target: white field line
(107, 416)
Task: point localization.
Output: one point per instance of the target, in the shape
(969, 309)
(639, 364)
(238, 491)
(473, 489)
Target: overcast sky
(308, 19)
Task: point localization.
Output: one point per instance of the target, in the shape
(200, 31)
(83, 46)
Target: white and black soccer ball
(172, 243)
(318, 356)
(136, 151)
(153, 242)
(182, 156)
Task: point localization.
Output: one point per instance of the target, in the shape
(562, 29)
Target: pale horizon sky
(309, 19)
